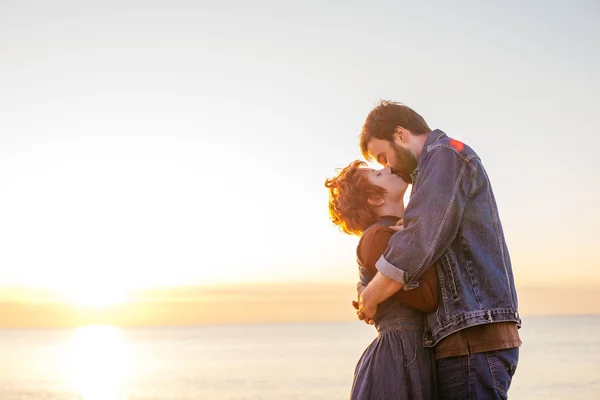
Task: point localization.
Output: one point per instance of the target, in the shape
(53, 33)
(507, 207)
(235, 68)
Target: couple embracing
(435, 276)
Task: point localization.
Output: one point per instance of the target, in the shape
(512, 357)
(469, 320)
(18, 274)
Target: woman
(366, 202)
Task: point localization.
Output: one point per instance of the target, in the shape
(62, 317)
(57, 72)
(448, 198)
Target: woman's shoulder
(376, 232)
(373, 242)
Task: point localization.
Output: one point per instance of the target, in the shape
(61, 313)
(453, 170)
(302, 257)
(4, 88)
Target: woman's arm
(373, 244)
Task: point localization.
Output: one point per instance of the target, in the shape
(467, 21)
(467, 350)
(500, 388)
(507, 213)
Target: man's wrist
(369, 298)
(381, 288)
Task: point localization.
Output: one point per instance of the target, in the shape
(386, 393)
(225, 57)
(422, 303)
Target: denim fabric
(477, 376)
(452, 220)
(395, 365)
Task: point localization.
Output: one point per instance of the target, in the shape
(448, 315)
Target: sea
(559, 359)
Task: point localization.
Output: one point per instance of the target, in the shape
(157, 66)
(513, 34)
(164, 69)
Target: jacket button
(488, 316)
(517, 314)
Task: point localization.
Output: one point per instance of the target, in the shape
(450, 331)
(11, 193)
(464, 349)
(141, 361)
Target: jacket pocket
(449, 270)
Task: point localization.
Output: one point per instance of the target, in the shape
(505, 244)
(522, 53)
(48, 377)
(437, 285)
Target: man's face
(394, 155)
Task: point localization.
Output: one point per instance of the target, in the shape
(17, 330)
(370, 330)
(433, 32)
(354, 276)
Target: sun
(94, 296)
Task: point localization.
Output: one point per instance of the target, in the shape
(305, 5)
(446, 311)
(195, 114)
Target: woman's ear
(375, 201)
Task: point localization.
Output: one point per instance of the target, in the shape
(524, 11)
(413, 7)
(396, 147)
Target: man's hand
(379, 290)
(366, 309)
(359, 289)
(356, 304)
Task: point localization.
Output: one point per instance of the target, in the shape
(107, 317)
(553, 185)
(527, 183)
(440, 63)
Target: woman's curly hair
(348, 199)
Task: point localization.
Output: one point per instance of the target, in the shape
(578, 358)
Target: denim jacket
(452, 220)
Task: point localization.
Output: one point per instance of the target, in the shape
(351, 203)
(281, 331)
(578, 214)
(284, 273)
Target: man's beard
(406, 162)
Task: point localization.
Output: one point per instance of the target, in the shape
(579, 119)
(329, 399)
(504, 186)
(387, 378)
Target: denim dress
(395, 365)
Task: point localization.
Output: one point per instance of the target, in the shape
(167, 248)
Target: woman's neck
(395, 209)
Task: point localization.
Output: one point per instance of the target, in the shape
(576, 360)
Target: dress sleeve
(373, 244)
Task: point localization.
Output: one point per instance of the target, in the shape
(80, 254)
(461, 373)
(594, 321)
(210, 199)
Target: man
(451, 220)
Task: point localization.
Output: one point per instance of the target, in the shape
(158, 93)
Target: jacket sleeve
(432, 217)
(372, 246)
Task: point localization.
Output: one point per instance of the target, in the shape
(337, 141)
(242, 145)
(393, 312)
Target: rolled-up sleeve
(432, 217)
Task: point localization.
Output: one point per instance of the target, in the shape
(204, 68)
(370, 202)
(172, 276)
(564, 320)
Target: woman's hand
(399, 225)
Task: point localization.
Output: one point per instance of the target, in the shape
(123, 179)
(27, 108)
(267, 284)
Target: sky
(164, 144)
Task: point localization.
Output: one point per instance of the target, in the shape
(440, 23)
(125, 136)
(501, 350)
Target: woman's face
(394, 185)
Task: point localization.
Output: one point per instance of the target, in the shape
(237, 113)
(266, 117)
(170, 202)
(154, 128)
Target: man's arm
(431, 222)
(372, 245)
(377, 291)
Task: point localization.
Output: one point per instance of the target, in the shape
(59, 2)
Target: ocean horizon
(559, 359)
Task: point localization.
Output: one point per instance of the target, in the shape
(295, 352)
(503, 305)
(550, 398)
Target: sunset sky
(152, 145)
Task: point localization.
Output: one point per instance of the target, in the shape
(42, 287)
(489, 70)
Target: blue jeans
(477, 376)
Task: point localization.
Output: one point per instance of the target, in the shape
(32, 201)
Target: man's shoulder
(447, 144)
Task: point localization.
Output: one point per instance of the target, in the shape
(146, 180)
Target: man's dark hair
(383, 120)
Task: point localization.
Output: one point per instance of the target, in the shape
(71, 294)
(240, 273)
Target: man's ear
(400, 134)
(375, 201)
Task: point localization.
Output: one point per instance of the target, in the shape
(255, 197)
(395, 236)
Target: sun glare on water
(98, 363)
